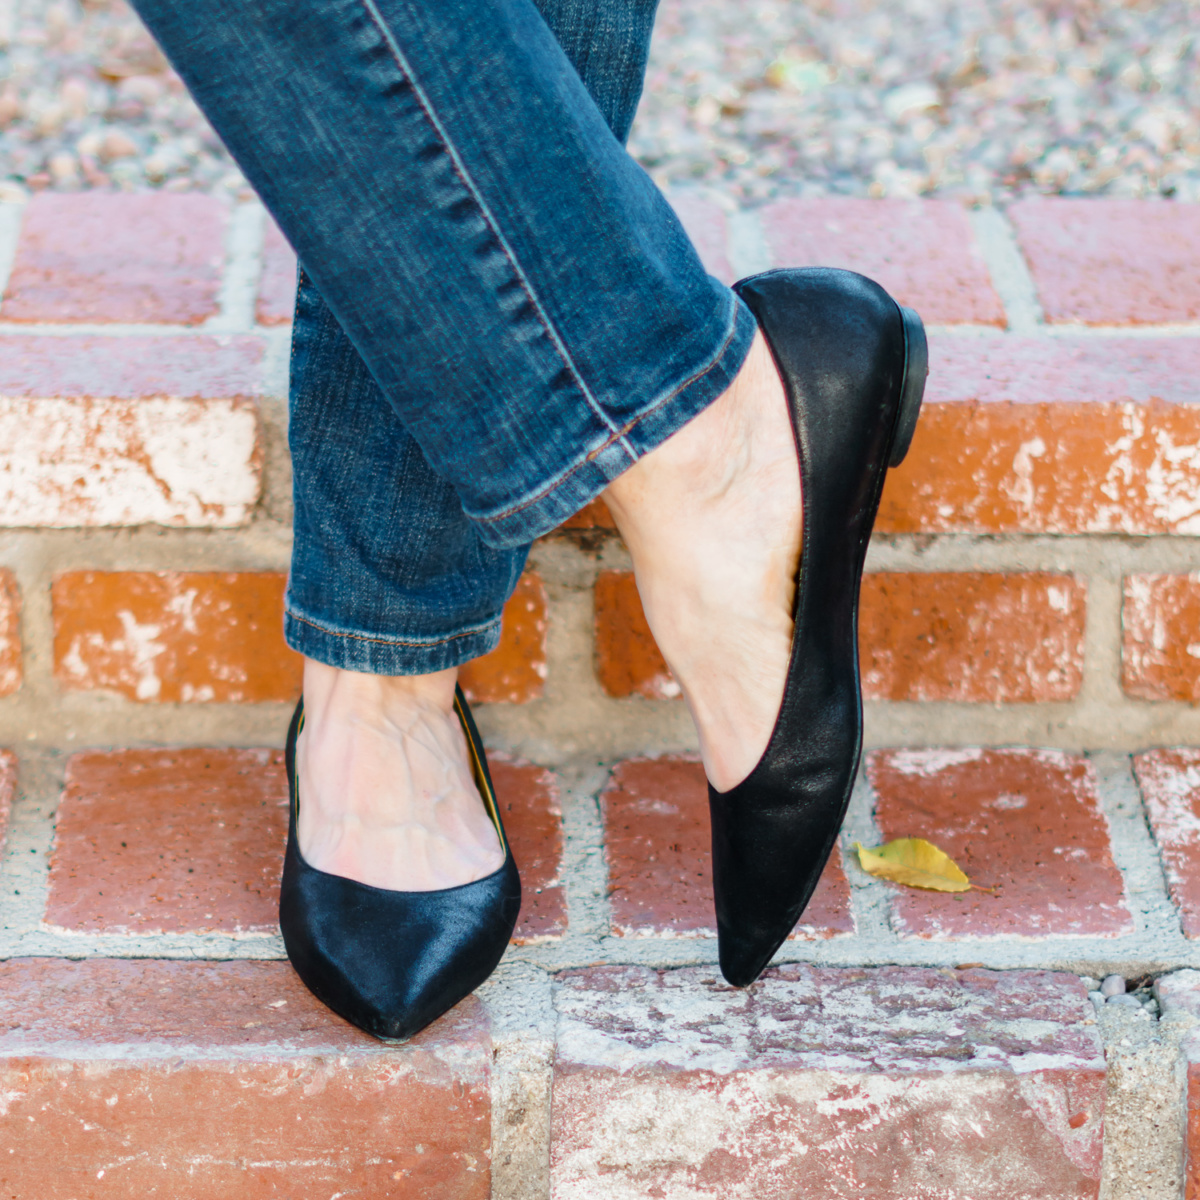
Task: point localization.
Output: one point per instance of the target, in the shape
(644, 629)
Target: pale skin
(712, 519)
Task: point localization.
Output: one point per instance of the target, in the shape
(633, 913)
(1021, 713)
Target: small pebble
(1113, 985)
(1122, 1000)
(1097, 998)
(1092, 985)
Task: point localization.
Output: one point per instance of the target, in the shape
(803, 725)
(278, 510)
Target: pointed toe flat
(392, 962)
(853, 364)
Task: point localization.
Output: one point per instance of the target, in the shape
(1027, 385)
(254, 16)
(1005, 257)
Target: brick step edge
(138, 1077)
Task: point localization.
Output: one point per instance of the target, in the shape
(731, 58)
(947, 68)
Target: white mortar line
(1133, 848)
(24, 881)
(870, 898)
(1010, 274)
(276, 363)
(584, 872)
(243, 267)
(10, 232)
(747, 244)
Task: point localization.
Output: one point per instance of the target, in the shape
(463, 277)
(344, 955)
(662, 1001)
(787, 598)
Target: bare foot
(386, 791)
(713, 520)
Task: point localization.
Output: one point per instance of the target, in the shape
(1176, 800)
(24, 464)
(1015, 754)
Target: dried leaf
(914, 862)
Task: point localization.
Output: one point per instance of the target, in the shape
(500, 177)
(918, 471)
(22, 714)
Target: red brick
(529, 803)
(130, 368)
(1112, 262)
(1056, 436)
(10, 634)
(174, 636)
(592, 516)
(1024, 822)
(1160, 651)
(628, 660)
(822, 1084)
(922, 251)
(187, 841)
(277, 284)
(515, 672)
(229, 1081)
(1170, 783)
(659, 849)
(969, 636)
(101, 257)
(170, 841)
(8, 788)
(708, 227)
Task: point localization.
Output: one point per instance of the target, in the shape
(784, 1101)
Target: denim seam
(461, 168)
(591, 455)
(383, 641)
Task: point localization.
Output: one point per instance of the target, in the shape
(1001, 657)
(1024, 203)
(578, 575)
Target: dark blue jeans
(498, 313)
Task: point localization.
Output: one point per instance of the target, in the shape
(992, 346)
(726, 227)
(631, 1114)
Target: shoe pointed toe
(392, 962)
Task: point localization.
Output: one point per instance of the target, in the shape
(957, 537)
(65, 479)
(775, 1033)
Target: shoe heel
(916, 368)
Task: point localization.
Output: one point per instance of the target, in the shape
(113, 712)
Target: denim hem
(590, 473)
(387, 654)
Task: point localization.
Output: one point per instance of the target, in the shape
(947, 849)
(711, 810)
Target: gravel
(982, 100)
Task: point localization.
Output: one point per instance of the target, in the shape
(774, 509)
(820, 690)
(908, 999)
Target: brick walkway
(1031, 656)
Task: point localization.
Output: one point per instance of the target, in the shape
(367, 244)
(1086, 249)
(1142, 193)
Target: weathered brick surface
(277, 283)
(170, 635)
(99, 257)
(923, 252)
(515, 672)
(1160, 626)
(1070, 435)
(8, 787)
(42, 366)
(822, 1084)
(228, 1081)
(628, 660)
(973, 636)
(1170, 783)
(164, 461)
(529, 805)
(128, 431)
(708, 228)
(1011, 638)
(169, 841)
(1026, 823)
(659, 849)
(1112, 262)
(10, 634)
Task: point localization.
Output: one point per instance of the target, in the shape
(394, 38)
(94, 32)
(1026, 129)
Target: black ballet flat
(392, 962)
(853, 363)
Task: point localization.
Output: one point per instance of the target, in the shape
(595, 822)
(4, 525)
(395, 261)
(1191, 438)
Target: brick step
(1083, 862)
(1031, 579)
(152, 1078)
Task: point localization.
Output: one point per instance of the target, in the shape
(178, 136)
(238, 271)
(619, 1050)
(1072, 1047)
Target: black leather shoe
(853, 363)
(392, 962)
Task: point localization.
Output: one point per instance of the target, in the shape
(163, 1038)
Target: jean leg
(520, 291)
(388, 574)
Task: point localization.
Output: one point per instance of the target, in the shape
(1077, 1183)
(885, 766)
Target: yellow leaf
(914, 862)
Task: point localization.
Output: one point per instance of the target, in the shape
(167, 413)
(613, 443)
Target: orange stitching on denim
(361, 637)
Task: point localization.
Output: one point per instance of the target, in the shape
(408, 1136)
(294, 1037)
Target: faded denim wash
(498, 312)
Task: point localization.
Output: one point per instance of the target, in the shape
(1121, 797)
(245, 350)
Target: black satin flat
(392, 962)
(853, 363)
